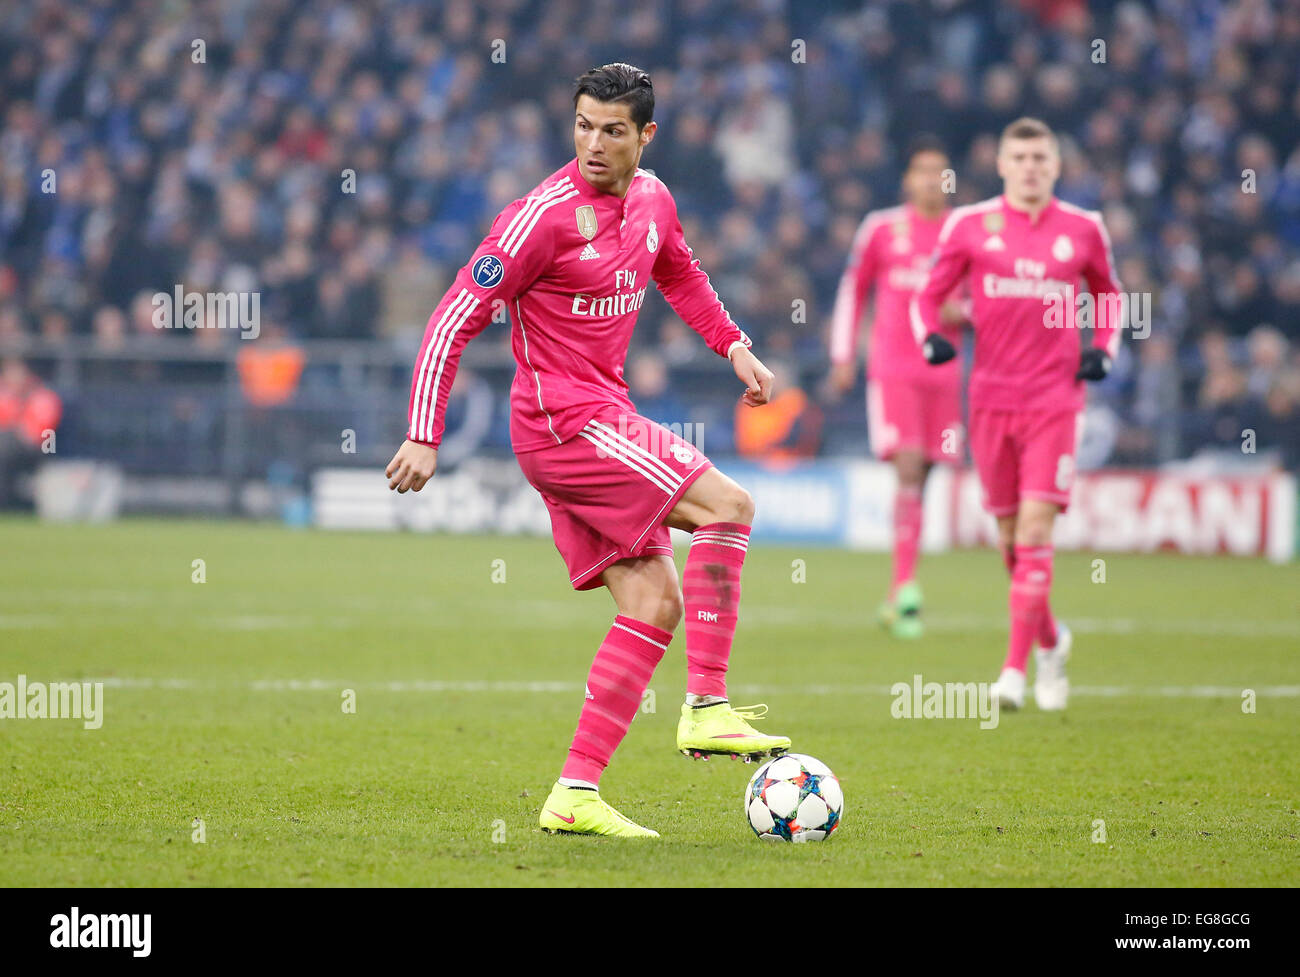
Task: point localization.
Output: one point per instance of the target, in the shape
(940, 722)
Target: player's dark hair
(925, 142)
(1027, 127)
(620, 82)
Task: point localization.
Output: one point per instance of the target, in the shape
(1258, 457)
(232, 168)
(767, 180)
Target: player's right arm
(858, 275)
(515, 252)
(947, 267)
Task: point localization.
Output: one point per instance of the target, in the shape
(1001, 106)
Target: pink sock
(618, 678)
(1047, 628)
(907, 536)
(711, 589)
(1031, 582)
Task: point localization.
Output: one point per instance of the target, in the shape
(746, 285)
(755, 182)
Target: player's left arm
(687, 288)
(1108, 297)
(948, 266)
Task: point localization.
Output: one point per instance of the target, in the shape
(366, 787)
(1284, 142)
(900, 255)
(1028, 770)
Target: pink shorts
(609, 489)
(1024, 455)
(916, 415)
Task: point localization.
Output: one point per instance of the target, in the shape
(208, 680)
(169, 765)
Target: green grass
(227, 707)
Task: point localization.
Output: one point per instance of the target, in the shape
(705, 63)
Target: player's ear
(648, 133)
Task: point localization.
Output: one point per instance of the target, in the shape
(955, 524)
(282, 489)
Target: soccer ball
(794, 798)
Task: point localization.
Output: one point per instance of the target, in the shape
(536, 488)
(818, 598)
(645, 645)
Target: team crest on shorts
(682, 453)
(1062, 249)
(586, 217)
(652, 238)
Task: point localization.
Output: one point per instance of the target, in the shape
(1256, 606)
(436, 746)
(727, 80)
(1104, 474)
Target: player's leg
(1031, 577)
(1047, 461)
(1031, 584)
(605, 507)
(1047, 629)
(1009, 689)
(896, 427)
(904, 603)
(995, 453)
(718, 513)
(649, 602)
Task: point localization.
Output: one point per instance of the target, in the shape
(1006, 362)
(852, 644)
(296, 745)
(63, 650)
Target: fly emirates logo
(1029, 282)
(626, 298)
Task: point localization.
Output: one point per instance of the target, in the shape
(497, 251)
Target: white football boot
(1051, 687)
(1009, 690)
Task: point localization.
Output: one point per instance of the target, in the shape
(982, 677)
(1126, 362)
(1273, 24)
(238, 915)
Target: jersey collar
(1023, 215)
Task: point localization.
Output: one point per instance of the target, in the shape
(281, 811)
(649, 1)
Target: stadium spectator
(1280, 426)
(29, 414)
(1225, 413)
(787, 429)
(340, 159)
(650, 391)
(270, 368)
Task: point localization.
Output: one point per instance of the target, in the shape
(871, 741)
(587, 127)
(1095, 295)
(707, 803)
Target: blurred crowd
(343, 159)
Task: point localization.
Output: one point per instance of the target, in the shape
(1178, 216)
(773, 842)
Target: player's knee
(671, 609)
(656, 600)
(740, 506)
(1033, 532)
(911, 470)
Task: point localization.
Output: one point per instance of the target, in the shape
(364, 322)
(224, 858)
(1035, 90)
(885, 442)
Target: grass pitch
(224, 701)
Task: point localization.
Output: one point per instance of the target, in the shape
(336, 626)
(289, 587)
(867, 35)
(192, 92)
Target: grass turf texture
(243, 725)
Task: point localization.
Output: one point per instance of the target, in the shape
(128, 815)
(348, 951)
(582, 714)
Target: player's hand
(937, 349)
(754, 375)
(842, 378)
(1094, 364)
(412, 466)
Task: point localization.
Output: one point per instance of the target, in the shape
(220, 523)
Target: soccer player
(572, 261)
(913, 409)
(1024, 253)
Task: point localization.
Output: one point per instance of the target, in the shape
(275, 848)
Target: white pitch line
(545, 616)
(567, 688)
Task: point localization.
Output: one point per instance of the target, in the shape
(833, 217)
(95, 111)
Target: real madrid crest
(1062, 249)
(652, 238)
(993, 223)
(586, 217)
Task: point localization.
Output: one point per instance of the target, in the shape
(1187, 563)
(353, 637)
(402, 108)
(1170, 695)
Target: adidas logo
(994, 244)
(588, 253)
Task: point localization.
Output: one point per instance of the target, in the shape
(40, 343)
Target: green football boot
(720, 730)
(907, 612)
(577, 811)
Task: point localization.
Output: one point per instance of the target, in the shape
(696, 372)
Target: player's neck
(1033, 208)
(928, 213)
(617, 188)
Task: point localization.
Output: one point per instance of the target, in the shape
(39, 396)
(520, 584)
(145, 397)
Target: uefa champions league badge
(487, 271)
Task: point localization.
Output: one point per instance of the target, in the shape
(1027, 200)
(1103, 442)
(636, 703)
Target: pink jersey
(571, 264)
(892, 252)
(1018, 267)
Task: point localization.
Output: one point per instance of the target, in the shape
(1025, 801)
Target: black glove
(1094, 364)
(937, 350)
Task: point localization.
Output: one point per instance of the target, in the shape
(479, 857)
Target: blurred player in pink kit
(913, 409)
(1024, 254)
(571, 262)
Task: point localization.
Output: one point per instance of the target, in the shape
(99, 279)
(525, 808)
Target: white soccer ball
(794, 797)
